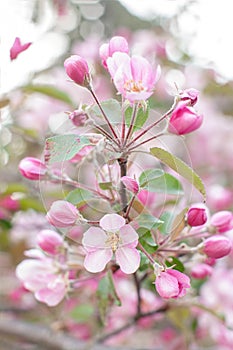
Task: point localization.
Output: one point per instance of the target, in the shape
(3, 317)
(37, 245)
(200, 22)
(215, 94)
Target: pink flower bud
(78, 117)
(184, 120)
(17, 48)
(77, 69)
(217, 246)
(62, 214)
(49, 241)
(190, 96)
(201, 271)
(222, 221)
(172, 284)
(32, 168)
(197, 215)
(130, 184)
(116, 44)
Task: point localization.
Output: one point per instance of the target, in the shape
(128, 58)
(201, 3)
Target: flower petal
(167, 285)
(128, 259)
(112, 222)
(128, 236)
(96, 261)
(94, 238)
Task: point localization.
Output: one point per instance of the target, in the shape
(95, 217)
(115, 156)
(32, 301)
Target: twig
(138, 289)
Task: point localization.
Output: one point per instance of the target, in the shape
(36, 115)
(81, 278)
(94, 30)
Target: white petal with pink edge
(96, 261)
(128, 259)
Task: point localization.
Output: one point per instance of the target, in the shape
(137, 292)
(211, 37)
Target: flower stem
(145, 252)
(145, 141)
(123, 166)
(134, 114)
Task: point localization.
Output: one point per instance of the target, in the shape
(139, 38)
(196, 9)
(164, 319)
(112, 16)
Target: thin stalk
(104, 115)
(109, 137)
(123, 126)
(123, 166)
(164, 116)
(129, 206)
(145, 141)
(139, 298)
(145, 252)
(134, 114)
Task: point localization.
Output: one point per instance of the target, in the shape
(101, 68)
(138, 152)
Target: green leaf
(180, 167)
(174, 261)
(146, 240)
(82, 313)
(106, 295)
(156, 180)
(64, 147)
(167, 219)
(144, 262)
(79, 197)
(148, 221)
(50, 91)
(105, 185)
(112, 109)
(141, 117)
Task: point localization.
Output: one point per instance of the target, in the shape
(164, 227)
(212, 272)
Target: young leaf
(106, 295)
(167, 219)
(180, 167)
(146, 240)
(141, 117)
(112, 109)
(148, 221)
(178, 265)
(178, 224)
(156, 180)
(64, 147)
(82, 313)
(79, 197)
(50, 91)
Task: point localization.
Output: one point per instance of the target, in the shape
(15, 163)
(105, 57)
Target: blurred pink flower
(134, 78)
(114, 236)
(184, 120)
(172, 284)
(116, 44)
(49, 241)
(201, 271)
(77, 69)
(222, 221)
(32, 168)
(17, 48)
(62, 214)
(217, 246)
(42, 276)
(190, 96)
(130, 183)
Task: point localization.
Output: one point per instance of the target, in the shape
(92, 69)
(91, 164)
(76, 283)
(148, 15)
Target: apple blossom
(222, 221)
(130, 183)
(172, 284)
(184, 120)
(17, 48)
(63, 214)
(114, 237)
(190, 96)
(197, 215)
(201, 271)
(32, 168)
(134, 78)
(217, 246)
(49, 241)
(116, 44)
(78, 117)
(77, 69)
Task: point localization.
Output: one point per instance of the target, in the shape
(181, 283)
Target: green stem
(130, 131)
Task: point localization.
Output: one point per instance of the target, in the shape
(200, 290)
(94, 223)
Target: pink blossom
(114, 237)
(222, 221)
(201, 271)
(41, 276)
(77, 69)
(17, 48)
(172, 284)
(130, 183)
(32, 168)
(116, 44)
(49, 241)
(134, 78)
(62, 214)
(78, 117)
(197, 215)
(190, 96)
(217, 246)
(184, 120)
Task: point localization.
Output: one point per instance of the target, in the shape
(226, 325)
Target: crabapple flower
(114, 237)
(116, 44)
(172, 284)
(134, 78)
(201, 271)
(184, 120)
(32, 168)
(190, 96)
(77, 69)
(17, 48)
(217, 246)
(130, 184)
(49, 241)
(63, 214)
(78, 117)
(42, 276)
(222, 221)
(197, 215)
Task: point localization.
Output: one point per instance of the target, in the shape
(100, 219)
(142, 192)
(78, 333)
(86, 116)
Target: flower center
(113, 241)
(133, 86)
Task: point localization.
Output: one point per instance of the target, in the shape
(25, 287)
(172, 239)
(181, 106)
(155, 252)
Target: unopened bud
(77, 69)
(217, 246)
(49, 241)
(32, 168)
(196, 215)
(62, 214)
